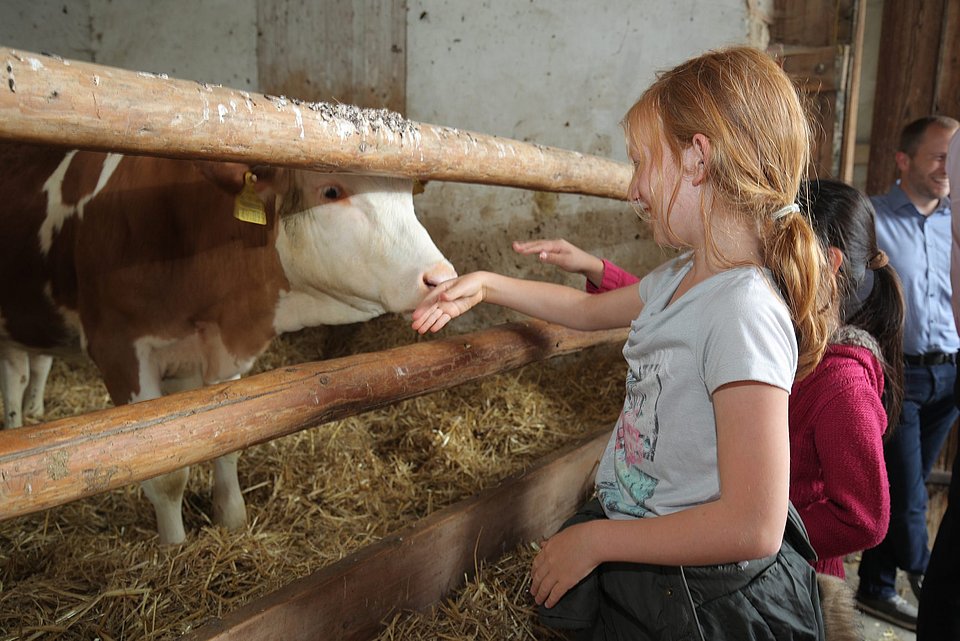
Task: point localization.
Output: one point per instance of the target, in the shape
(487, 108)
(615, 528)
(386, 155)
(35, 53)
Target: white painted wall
(554, 72)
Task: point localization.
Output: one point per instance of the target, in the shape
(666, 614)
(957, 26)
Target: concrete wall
(557, 72)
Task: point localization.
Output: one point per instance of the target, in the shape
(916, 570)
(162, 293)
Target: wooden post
(53, 101)
(61, 461)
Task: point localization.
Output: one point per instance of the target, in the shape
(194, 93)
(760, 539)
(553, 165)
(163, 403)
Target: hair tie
(792, 208)
(878, 261)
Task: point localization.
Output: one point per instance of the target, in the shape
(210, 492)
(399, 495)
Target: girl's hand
(561, 253)
(564, 560)
(447, 301)
(564, 255)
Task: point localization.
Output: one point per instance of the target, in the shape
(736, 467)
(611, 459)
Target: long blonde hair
(748, 108)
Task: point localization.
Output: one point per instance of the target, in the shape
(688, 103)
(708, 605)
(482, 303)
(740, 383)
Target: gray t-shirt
(734, 326)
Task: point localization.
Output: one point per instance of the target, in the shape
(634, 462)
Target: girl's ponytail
(794, 256)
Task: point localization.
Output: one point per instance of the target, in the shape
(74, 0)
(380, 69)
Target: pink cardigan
(838, 478)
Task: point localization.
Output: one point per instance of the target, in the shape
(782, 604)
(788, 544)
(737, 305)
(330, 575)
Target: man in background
(913, 228)
(939, 616)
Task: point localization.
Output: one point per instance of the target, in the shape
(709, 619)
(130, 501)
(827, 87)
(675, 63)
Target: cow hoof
(171, 533)
(232, 516)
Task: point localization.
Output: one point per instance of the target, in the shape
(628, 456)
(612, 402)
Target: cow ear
(228, 176)
(267, 177)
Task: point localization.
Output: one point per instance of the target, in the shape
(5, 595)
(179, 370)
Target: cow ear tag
(247, 206)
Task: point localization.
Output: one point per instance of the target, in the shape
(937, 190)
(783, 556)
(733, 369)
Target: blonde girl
(688, 535)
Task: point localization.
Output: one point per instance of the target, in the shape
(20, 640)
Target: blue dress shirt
(919, 249)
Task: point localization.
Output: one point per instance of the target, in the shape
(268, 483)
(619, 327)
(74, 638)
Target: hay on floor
(93, 568)
(494, 604)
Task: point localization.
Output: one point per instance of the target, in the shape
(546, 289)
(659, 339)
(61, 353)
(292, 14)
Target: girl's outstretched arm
(564, 255)
(746, 522)
(547, 301)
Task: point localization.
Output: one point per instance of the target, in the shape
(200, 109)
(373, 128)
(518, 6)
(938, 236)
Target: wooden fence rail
(54, 101)
(68, 459)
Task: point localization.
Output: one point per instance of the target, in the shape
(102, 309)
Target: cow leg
(165, 492)
(14, 373)
(228, 506)
(40, 365)
(131, 375)
(229, 509)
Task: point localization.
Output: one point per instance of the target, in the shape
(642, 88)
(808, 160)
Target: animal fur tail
(841, 620)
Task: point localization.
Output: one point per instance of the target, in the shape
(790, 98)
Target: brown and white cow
(140, 262)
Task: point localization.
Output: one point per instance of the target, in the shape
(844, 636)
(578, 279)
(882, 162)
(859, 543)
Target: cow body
(140, 262)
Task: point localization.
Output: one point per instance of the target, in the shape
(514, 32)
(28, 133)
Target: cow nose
(439, 273)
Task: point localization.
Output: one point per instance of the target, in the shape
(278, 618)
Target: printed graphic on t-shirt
(637, 431)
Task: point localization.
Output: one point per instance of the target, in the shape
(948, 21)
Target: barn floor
(874, 629)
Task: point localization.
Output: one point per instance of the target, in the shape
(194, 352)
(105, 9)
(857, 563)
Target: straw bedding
(93, 569)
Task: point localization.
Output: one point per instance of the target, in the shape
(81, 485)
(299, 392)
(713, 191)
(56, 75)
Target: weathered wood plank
(822, 41)
(57, 462)
(851, 109)
(418, 566)
(53, 101)
(947, 96)
(817, 72)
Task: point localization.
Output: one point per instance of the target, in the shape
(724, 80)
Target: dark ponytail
(882, 316)
(844, 218)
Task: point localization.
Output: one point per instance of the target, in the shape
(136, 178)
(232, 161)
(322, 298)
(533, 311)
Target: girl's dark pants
(763, 599)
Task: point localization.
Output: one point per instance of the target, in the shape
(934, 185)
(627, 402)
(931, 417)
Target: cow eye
(332, 192)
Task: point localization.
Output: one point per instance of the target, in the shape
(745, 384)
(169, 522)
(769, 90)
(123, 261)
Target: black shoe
(895, 609)
(916, 584)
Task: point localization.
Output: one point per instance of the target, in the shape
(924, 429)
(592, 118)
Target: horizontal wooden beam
(60, 461)
(418, 566)
(53, 101)
(814, 69)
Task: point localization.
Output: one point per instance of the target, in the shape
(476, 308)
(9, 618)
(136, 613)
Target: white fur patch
(58, 211)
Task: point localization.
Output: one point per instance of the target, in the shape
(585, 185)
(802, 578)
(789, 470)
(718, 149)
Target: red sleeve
(855, 510)
(613, 278)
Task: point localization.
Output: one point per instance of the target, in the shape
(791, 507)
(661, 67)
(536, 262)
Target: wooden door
(819, 43)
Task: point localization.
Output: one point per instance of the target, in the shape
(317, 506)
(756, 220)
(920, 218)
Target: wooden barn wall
(918, 75)
(349, 51)
(822, 48)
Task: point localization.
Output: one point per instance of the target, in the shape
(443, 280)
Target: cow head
(352, 247)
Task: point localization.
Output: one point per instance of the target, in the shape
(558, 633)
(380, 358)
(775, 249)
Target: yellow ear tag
(248, 207)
